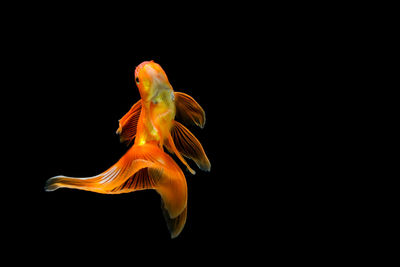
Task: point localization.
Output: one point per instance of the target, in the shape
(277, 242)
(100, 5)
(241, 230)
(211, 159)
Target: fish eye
(137, 79)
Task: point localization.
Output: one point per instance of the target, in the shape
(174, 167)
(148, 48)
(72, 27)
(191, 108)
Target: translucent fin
(175, 225)
(127, 167)
(128, 123)
(188, 145)
(189, 110)
(171, 185)
(170, 145)
(142, 167)
(138, 181)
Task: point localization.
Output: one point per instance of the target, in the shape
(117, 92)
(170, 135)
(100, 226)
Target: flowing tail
(142, 167)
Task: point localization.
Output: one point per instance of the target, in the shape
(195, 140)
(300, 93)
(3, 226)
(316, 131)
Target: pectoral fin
(189, 110)
(128, 123)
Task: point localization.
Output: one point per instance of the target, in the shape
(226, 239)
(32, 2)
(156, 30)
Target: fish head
(151, 79)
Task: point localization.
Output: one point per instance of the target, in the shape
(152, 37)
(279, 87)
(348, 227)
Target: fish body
(158, 104)
(150, 124)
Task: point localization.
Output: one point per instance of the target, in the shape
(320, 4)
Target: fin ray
(127, 167)
(189, 110)
(142, 167)
(188, 145)
(128, 123)
(170, 145)
(175, 225)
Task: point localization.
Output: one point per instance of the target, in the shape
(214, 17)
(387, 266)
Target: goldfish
(149, 128)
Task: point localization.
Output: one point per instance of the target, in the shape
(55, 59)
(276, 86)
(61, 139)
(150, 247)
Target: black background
(70, 91)
(68, 122)
(67, 126)
(272, 86)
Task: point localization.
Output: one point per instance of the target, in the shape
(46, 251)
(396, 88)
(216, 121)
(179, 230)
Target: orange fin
(138, 181)
(169, 181)
(142, 167)
(171, 185)
(188, 145)
(189, 110)
(128, 167)
(128, 123)
(170, 145)
(175, 225)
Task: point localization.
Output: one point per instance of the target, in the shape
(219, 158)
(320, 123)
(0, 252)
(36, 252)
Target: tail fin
(175, 225)
(128, 166)
(142, 167)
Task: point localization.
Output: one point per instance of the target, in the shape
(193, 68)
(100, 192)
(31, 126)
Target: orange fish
(151, 124)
